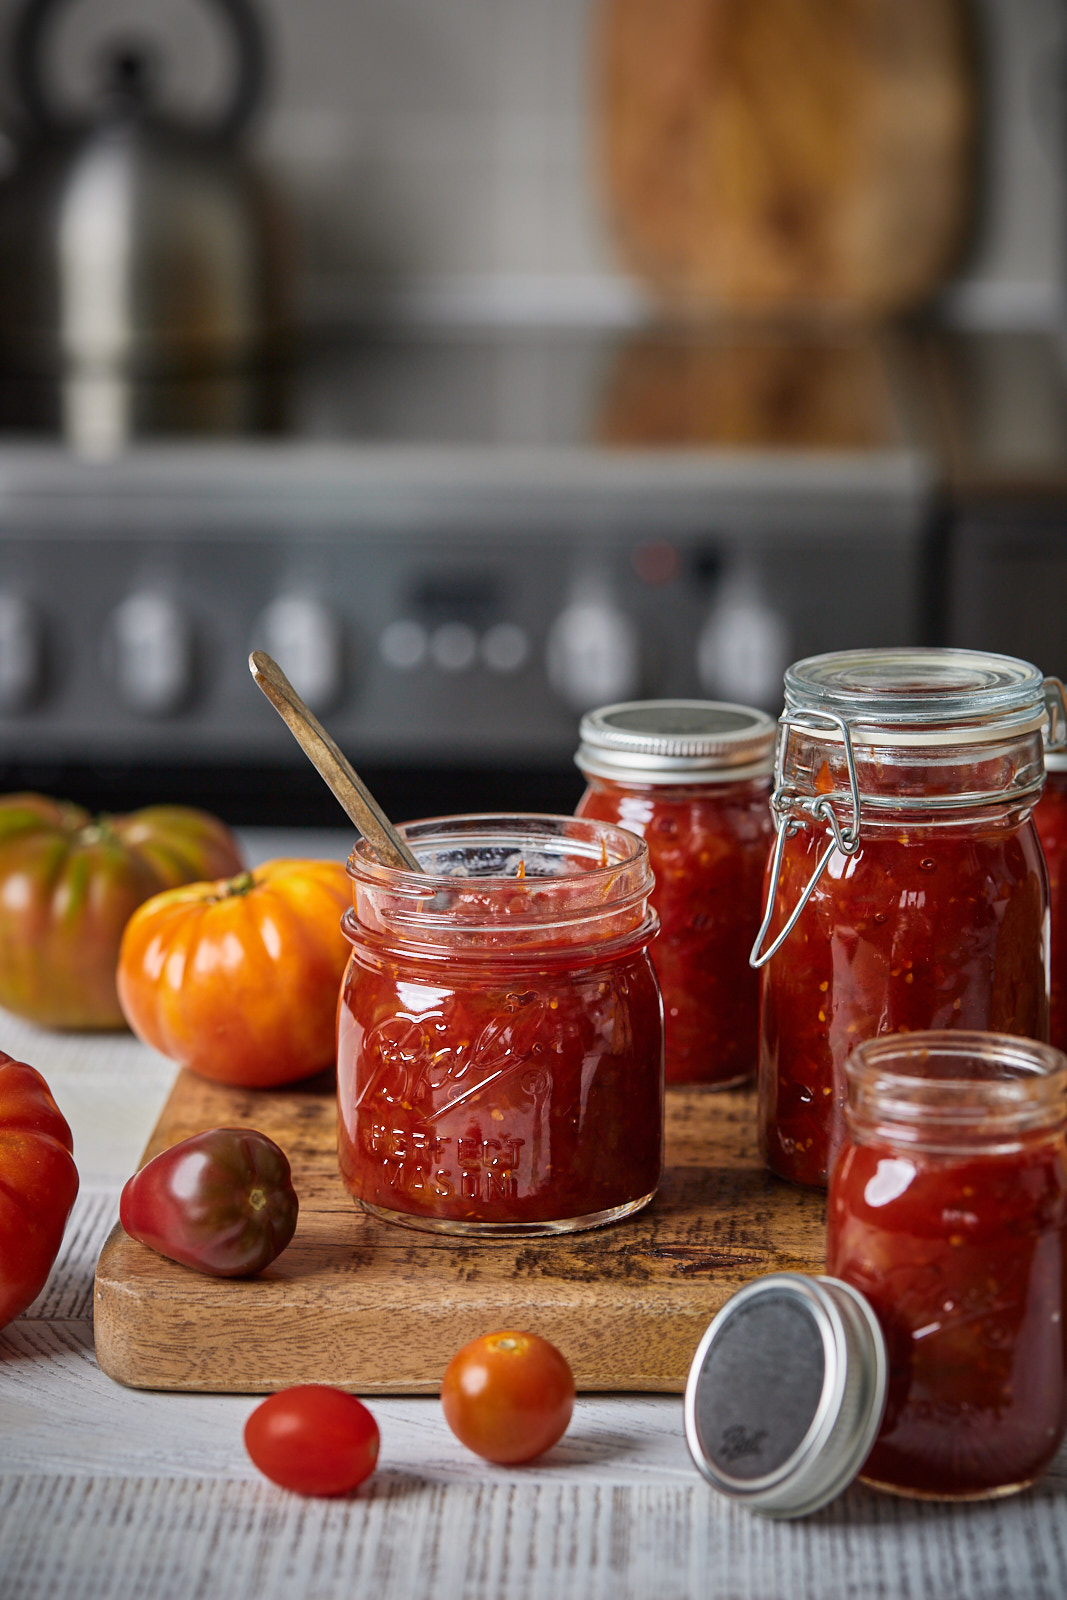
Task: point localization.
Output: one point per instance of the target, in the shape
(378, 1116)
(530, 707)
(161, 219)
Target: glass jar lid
(676, 741)
(786, 1393)
(904, 689)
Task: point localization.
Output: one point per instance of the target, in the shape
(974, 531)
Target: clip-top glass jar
(693, 778)
(500, 1030)
(907, 889)
(1050, 815)
(947, 1211)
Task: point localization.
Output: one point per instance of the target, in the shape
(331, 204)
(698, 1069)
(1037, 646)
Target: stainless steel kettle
(135, 244)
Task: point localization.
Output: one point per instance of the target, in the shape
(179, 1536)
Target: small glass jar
(908, 889)
(1050, 816)
(693, 778)
(948, 1212)
(500, 1030)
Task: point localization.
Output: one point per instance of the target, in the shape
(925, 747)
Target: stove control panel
(428, 608)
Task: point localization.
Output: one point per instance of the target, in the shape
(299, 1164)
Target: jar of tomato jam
(693, 778)
(500, 1029)
(907, 889)
(948, 1212)
(1050, 816)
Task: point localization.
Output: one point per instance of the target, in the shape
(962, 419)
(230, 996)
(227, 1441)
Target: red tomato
(508, 1396)
(239, 980)
(38, 1184)
(68, 885)
(313, 1439)
(222, 1202)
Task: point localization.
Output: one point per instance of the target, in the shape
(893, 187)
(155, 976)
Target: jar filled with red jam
(907, 889)
(500, 1029)
(1050, 815)
(693, 778)
(948, 1210)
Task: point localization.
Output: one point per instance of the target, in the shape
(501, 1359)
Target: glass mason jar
(1050, 816)
(500, 1030)
(907, 888)
(947, 1210)
(693, 779)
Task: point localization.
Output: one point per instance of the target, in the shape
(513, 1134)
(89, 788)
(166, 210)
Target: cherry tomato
(239, 979)
(222, 1202)
(38, 1184)
(69, 884)
(313, 1439)
(508, 1396)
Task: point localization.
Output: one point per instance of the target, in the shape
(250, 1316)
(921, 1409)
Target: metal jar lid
(786, 1393)
(676, 741)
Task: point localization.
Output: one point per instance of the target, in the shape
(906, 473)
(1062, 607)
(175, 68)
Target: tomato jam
(947, 1210)
(908, 889)
(692, 777)
(500, 1031)
(1050, 816)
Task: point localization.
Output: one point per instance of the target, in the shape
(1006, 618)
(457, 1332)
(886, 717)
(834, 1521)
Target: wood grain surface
(789, 154)
(380, 1309)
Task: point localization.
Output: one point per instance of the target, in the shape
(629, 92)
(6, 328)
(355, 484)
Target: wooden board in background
(789, 155)
(380, 1309)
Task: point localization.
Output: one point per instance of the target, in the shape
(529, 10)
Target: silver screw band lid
(786, 1393)
(676, 741)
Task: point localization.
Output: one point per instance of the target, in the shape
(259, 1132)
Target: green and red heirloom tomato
(38, 1184)
(69, 884)
(313, 1439)
(508, 1396)
(239, 979)
(221, 1202)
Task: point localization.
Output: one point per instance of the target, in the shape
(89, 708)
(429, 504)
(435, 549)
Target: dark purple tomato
(221, 1202)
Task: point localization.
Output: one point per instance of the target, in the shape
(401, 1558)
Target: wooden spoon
(359, 804)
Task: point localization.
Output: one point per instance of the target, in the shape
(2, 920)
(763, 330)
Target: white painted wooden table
(116, 1494)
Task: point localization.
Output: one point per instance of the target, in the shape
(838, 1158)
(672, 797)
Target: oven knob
(21, 653)
(305, 638)
(152, 640)
(743, 648)
(592, 655)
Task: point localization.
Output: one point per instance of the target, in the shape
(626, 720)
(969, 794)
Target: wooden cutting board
(789, 155)
(380, 1309)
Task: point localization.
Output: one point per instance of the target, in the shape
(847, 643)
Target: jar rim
(942, 1080)
(599, 850)
(920, 688)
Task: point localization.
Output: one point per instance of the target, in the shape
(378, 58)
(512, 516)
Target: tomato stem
(243, 882)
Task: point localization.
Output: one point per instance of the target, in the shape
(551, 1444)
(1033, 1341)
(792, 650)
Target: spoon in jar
(348, 787)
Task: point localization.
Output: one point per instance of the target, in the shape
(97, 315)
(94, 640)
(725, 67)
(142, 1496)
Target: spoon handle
(359, 804)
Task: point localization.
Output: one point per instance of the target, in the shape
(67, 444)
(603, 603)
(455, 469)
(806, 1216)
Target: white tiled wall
(441, 153)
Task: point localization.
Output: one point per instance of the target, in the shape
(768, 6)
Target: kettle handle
(245, 27)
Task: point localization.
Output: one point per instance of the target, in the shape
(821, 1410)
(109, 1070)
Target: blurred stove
(454, 543)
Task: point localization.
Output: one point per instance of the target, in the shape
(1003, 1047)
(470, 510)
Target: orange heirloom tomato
(69, 884)
(239, 979)
(38, 1184)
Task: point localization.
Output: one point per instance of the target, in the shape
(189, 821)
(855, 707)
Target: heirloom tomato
(508, 1396)
(313, 1439)
(38, 1184)
(221, 1202)
(239, 979)
(68, 885)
